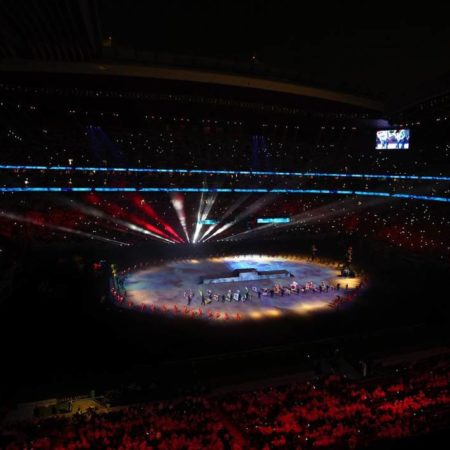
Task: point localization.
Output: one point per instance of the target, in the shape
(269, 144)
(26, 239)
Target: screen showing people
(392, 139)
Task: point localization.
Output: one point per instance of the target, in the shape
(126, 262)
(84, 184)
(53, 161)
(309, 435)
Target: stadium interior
(223, 226)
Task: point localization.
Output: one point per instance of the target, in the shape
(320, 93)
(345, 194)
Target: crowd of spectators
(188, 424)
(332, 412)
(35, 132)
(410, 224)
(338, 413)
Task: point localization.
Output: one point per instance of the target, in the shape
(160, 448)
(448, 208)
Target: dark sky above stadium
(382, 48)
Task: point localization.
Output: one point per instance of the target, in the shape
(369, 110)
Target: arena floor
(161, 288)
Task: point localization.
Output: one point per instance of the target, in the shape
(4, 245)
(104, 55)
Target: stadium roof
(382, 54)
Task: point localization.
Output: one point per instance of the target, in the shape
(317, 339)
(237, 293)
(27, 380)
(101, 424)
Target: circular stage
(247, 287)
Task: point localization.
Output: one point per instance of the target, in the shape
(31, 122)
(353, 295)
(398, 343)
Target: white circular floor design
(161, 288)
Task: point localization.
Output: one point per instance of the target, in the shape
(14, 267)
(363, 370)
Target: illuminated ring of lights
(227, 172)
(428, 198)
(159, 289)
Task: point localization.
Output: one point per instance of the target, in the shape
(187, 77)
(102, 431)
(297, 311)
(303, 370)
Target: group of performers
(208, 296)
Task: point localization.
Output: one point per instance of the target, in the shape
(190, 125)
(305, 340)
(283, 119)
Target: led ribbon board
(429, 198)
(273, 220)
(228, 172)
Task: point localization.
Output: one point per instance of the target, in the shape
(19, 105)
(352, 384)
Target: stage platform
(161, 288)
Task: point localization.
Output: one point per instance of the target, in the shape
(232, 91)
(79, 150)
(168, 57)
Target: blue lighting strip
(228, 172)
(429, 198)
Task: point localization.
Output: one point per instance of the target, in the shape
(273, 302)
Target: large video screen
(392, 139)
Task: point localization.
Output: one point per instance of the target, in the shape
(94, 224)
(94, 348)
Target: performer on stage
(313, 252)
(202, 297)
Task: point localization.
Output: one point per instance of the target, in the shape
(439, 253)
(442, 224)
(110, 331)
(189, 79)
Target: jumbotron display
(392, 139)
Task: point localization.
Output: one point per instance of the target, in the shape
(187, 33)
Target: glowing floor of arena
(163, 288)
